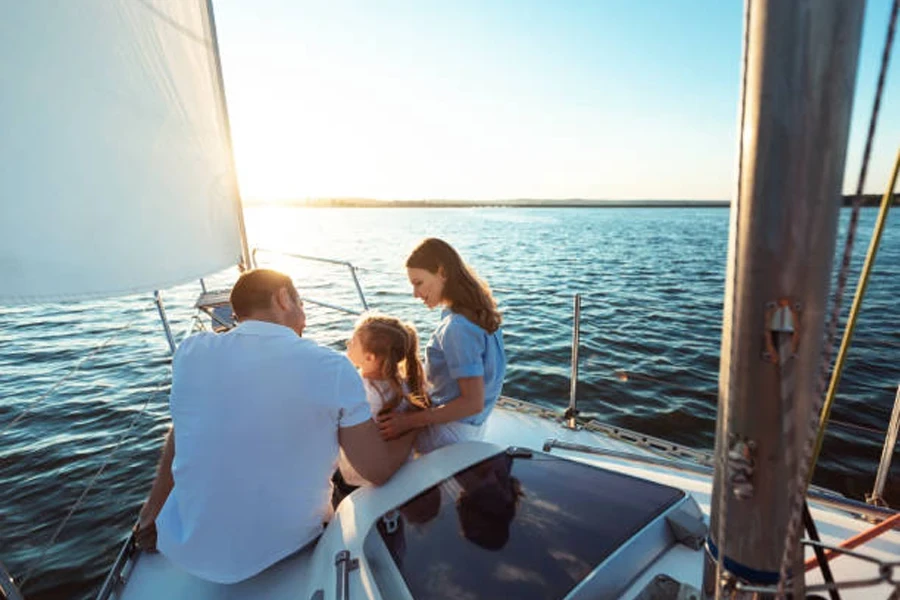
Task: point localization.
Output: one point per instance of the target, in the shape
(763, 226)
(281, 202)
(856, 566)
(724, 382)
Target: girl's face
(427, 286)
(366, 362)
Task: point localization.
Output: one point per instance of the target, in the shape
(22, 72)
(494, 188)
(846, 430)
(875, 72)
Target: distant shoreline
(868, 200)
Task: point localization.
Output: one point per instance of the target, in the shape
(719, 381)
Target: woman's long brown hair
(397, 345)
(464, 292)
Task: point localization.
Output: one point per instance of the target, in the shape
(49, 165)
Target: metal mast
(799, 74)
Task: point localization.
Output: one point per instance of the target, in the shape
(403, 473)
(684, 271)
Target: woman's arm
(469, 402)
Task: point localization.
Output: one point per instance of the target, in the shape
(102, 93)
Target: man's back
(256, 413)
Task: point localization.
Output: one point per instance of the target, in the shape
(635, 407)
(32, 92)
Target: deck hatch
(517, 527)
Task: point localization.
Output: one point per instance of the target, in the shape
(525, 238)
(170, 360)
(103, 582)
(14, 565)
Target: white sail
(115, 159)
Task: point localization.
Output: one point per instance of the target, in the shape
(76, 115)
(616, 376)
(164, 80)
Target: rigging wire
(39, 561)
(792, 535)
(853, 315)
(67, 376)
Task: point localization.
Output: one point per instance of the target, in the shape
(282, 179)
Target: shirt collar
(445, 312)
(264, 328)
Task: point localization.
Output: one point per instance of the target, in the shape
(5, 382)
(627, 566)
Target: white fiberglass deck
(311, 574)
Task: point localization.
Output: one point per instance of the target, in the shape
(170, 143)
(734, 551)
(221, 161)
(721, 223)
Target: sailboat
(135, 166)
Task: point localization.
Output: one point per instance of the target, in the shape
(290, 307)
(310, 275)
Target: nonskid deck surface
(152, 576)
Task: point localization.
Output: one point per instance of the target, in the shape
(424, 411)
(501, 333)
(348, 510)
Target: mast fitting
(781, 318)
(741, 463)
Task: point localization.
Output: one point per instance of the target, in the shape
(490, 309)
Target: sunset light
(468, 101)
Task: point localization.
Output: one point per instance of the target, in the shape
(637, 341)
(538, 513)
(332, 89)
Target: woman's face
(427, 286)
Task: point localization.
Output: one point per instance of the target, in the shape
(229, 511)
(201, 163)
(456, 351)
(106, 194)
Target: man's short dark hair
(255, 290)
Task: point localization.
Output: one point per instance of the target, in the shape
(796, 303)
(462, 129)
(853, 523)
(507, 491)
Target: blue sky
(483, 100)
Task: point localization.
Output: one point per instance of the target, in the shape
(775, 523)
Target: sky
(495, 99)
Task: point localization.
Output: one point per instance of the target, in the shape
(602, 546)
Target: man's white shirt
(256, 414)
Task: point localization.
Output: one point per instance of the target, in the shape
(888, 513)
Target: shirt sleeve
(351, 397)
(464, 347)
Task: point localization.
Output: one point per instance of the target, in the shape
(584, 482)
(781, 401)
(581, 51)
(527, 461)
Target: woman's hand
(394, 424)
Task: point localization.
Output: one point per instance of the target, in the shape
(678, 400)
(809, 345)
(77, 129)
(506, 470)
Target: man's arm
(373, 458)
(145, 533)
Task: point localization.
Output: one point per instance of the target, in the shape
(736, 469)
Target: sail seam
(175, 24)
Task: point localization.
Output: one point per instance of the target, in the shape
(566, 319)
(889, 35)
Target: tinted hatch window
(517, 527)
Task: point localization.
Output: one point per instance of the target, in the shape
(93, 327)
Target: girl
(386, 352)
(465, 361)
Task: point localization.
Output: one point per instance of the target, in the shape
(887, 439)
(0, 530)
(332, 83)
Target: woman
(464, 360)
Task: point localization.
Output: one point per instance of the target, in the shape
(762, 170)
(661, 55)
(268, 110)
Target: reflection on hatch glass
(513, 528)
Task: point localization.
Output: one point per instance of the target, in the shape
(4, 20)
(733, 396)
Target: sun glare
(359, 100)
(324, 122)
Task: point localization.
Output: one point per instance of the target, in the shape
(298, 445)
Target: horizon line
(350, 202)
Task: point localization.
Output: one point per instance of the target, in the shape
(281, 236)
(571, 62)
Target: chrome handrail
(349, 311)
(332, 261)
(343, 564)
(8, 586)
(688, 467)
(163, 316)
(572, 412)
(116, 578)
(160, 307)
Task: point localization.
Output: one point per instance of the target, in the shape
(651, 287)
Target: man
(257, 417)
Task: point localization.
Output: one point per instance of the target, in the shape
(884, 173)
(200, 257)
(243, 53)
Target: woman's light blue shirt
(459, 348)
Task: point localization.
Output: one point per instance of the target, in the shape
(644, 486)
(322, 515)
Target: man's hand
(145, 532)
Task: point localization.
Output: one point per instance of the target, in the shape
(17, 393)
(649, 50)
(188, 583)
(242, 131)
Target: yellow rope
(886, 202)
